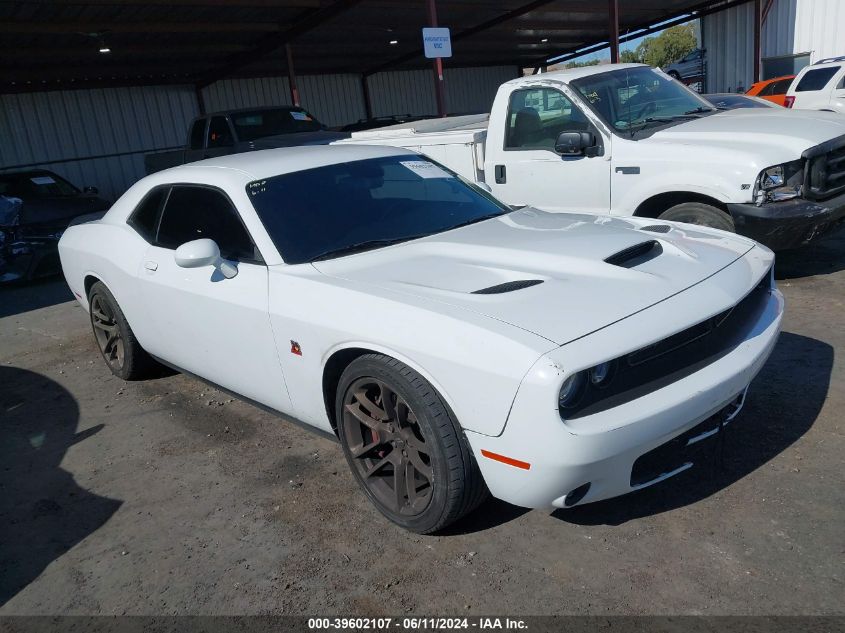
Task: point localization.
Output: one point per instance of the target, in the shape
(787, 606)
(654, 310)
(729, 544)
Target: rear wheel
(120, 349)
(403, 446)
(701, 214)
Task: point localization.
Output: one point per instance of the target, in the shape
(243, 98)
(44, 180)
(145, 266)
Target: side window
(219, 134)
(193, 212)
(780, 87)
(768, 89)
(144, 218)
(536, 117)
(816, 79)
(197, 133)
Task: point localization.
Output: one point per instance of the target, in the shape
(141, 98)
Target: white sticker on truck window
(43, 180)
(424, 169)
(300, 116)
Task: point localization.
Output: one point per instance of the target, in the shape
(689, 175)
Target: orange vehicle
(773, 90)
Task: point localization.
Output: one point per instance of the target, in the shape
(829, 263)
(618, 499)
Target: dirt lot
(167, 497)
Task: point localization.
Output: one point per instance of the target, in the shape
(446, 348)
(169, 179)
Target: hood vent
(636, 255)
(508, 286)
(657, 228)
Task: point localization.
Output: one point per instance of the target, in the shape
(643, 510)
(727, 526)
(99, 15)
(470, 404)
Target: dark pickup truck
(238, 131)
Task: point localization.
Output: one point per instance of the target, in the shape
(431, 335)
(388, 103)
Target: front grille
(688, 449)
(825, 171)
(650, 368)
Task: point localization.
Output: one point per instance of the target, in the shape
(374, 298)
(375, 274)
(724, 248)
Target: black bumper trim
(788, 224)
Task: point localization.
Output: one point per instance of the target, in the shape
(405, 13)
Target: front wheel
(405, 450)
(701, 214)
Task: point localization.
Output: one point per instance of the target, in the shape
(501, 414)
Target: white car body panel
(496, 360)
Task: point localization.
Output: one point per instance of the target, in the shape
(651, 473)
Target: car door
(527, 171)
(204, 323)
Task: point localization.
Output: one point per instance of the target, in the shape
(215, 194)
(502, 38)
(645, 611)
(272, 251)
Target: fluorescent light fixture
(544, 40)
(394, 42)
(105, 49)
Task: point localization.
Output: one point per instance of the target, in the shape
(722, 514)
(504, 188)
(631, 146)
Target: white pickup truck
(626, 139)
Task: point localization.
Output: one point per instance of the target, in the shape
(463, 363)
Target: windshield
(632, 99)
(340, 209)
(36, 184)
(250, 126)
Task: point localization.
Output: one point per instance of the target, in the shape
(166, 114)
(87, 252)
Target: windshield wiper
(364, 245)
(700, 110)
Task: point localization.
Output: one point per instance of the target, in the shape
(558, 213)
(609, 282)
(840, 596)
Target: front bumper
(626, 447)
(788, 224)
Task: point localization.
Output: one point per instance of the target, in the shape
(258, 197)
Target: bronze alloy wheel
(107, 332)
(387, 446)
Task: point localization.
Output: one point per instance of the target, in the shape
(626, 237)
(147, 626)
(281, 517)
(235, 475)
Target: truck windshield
(341, 209)
(36, 184)
(639, 98)
(250, 126)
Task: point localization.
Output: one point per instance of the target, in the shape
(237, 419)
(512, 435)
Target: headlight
(571, 390)
(780, 182)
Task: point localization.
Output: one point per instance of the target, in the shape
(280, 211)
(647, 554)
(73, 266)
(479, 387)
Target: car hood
(58, 211)
(793, 130)
(323, 137)
(580, 291)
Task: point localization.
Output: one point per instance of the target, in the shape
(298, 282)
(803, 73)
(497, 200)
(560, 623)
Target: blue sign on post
(437, 42)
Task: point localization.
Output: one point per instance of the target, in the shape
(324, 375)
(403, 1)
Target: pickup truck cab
(232, 132)
(628, 140)
(819, 87)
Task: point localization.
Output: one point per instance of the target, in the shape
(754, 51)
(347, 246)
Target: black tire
(674, 74)
(426, 434)
(120, 349)
(701, 214)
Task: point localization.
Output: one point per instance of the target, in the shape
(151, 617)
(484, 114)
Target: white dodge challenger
(453, 345)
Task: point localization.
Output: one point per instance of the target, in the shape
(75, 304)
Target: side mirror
(204, 252)
(574, 143)
(91, 190)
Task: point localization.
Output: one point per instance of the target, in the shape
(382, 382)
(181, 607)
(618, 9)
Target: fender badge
(295, 348)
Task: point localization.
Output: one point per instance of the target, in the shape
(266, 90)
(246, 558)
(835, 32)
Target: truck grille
(825, 170)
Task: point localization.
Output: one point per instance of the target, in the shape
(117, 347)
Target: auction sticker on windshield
(424, 169)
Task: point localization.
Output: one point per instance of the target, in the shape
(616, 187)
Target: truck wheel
(674, 74)
(701, 214)
(120, 349)
(403, 446)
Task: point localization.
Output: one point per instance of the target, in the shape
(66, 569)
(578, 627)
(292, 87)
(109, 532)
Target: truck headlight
(779, 182)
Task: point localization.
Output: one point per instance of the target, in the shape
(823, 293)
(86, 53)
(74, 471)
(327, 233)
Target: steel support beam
(200, 99)
(439, 88)
(368, 103)
(758, 29)
(613, 23)
(294, 91)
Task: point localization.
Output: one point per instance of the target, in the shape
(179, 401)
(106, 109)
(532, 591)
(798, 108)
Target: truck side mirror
(574, 143)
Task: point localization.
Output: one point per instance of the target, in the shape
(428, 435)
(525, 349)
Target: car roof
(570, 74)
(275, 162)
(28, 172)
(245, 110)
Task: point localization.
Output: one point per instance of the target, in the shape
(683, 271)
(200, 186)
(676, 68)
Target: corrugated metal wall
(791, 27)
(42, 127)
(99, 137)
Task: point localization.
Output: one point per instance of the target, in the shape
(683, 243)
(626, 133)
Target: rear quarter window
(816, 79)
(144, 218)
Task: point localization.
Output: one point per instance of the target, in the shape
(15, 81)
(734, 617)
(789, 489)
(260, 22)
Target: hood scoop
(656, 228)
(508, 286)
(635, 255)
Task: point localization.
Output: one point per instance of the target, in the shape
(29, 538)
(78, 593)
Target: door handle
(151, 266)
(501, 174)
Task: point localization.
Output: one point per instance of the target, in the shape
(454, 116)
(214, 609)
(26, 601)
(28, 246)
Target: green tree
(670, 46)
(592, 62)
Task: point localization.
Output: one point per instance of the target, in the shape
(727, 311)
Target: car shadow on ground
(25, 296)
(783, 403)
(43, 511)
(821, 258)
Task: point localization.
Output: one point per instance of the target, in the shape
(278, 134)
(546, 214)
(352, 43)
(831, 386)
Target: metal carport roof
(55, 44)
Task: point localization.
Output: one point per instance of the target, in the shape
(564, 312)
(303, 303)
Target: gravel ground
(168, 497)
